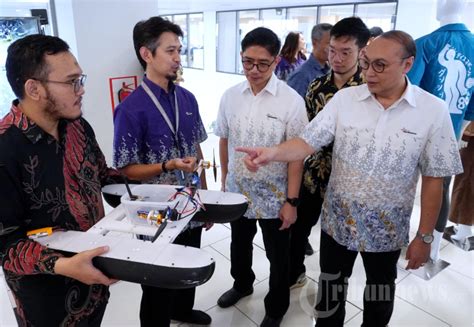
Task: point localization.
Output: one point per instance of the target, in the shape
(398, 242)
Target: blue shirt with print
(444, 67)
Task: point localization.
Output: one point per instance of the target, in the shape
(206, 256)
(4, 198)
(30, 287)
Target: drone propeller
(214, 167)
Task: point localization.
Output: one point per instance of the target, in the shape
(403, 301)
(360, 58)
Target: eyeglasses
(77, 83)
(377, 65)
(261, 67)
(343, 55)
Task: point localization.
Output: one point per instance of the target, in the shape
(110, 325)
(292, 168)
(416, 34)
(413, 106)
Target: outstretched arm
(291, 150)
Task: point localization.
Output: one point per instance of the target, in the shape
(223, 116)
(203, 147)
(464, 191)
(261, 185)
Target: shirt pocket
(276, 128)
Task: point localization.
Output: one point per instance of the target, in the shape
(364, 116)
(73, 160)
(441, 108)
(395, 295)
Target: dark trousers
(336, 263)
(276, 244)
(444, 211)
(160, 305)
(308, 215)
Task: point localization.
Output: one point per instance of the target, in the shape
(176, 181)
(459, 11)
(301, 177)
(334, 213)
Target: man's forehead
(382, 48)
(345, 41)
(257, 53)
(168, 39)
(63, 63)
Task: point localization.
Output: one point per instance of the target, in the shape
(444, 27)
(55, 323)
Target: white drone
(158, 214)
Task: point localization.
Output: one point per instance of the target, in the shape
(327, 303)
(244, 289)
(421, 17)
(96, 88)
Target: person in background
(157, 132)
(374, 32)
(317, 63)
(385, 133)
(51, 171)
(262, 110)
(347, 39)
(462, 204)
(292, 55)
(444, 67)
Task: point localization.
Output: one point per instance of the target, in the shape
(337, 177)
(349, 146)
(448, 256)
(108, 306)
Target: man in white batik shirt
(386, 133)
(261, 111)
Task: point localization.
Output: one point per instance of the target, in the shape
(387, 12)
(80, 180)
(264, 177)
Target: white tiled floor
(446, 300)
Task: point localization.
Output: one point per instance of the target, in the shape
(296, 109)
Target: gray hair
(318, 31)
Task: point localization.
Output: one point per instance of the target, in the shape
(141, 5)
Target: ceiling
(189, 6)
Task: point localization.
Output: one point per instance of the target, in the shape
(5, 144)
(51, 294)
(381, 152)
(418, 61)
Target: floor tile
(460, 260)
(448, 296)
(217, 233)
(260, 266)
(405, 314)
(124, 305)
(224, 317)
(208, 293)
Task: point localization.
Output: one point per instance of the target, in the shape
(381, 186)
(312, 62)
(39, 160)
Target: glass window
(333, 14)
(378, 14)
(248, 20)
(303, 20)
(227, 42)
(182, 21)
(275, 19)
(12, 29)
(196, 41)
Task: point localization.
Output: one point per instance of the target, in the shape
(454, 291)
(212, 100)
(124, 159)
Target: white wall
(105, 49)
(417, 17)
(65, 23)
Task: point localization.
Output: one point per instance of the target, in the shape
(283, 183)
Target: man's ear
(33, 89)
(277, 60)
(146, 54)
(408, 64)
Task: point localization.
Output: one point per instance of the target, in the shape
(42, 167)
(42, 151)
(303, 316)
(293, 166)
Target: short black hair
(147, 32)
(263, 37)
(404, 39)
(352, 27)
(375, 31)
(26, 59)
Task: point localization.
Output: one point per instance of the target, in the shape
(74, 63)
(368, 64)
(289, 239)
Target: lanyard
(158, 105)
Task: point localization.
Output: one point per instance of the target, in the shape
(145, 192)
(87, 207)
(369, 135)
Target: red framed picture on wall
(120, 88)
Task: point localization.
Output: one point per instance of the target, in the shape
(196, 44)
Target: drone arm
(224, 158)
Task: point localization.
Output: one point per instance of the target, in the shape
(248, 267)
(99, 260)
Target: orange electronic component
(40, 232)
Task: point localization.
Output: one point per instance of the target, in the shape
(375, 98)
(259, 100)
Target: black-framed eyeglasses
(76, 83)
(261, 66)
(377, 65)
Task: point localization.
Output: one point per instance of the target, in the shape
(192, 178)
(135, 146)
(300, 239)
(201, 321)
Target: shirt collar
(408, 95)
(33, 132)
(355, 79)
(453, 27)
(158, 90)
(271, 86)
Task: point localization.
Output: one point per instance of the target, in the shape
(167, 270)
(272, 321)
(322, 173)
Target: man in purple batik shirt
(142, 136)
(156, 140)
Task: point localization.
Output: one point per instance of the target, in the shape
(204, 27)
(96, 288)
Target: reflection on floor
(445, 300)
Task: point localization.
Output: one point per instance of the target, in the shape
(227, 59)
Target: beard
(55, 111)
(172, 77)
